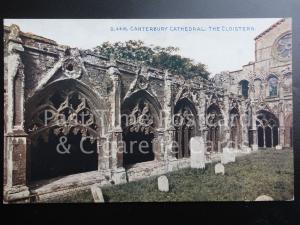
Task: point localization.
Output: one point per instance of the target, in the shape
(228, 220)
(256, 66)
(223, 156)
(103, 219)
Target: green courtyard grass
(266, 172)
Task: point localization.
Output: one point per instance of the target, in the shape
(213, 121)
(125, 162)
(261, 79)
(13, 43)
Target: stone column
(272, 137)
(15, 188)
(168, 110)
(186, 141)
(169, 129)
(116, 145)
(201, 126)
(243, 127)
(226, 131)
(281, 130)
(103, 154)
(254, 128)
(264, 134)
(179, 144)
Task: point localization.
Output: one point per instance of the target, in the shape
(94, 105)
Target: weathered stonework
(41, 74)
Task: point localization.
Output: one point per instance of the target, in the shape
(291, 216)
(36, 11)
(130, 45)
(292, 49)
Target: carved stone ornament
(282, 48)
(141, 82)
(263, 106)
(184, 92)
(72, 68)
(234, 104)
(14, 33)
(140, 119)
(184, 117)
(64, 113)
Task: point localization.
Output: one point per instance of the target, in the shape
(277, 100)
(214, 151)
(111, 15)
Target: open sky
(219, 49)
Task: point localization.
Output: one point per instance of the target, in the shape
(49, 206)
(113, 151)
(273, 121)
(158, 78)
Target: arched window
(257, 87)
(244, 87)
(273, 86)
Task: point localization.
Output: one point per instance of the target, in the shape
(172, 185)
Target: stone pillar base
(246, 149)
(106, 173)
(16, 194)
(172, 164)
(254, 147)
(278, 147)
(119, 176)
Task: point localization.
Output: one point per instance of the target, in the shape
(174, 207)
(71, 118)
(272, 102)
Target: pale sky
(219, 50)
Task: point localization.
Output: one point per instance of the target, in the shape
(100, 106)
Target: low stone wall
(44, 190)
(49, 189)
(143, 170)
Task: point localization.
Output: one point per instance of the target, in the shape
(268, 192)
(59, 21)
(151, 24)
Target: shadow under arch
(75, 122)
(140, 119)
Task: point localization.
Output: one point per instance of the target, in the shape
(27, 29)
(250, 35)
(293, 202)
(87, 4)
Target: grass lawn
(268, 172)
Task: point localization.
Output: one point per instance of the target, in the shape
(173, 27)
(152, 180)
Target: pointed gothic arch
(186, 125)
(267, 129)
(67, 112)
(214, 119)
(244, 88)
(140, 118)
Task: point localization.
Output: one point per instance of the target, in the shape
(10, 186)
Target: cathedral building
(74, 118)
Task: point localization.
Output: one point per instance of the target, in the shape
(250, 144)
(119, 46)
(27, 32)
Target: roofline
(33, 36)
(269, 28)
(236, 71)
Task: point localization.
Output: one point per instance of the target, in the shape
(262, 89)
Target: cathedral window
(273, 86)
(244, 87)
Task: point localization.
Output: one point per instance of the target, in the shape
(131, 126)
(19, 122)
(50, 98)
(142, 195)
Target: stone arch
(214, 122)
(140, 120)
(244, 88)
(186, 125)
(267, 128)
(96, 102)
(272, 75)
(288, 131)
(64, 111)
(155, 107)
